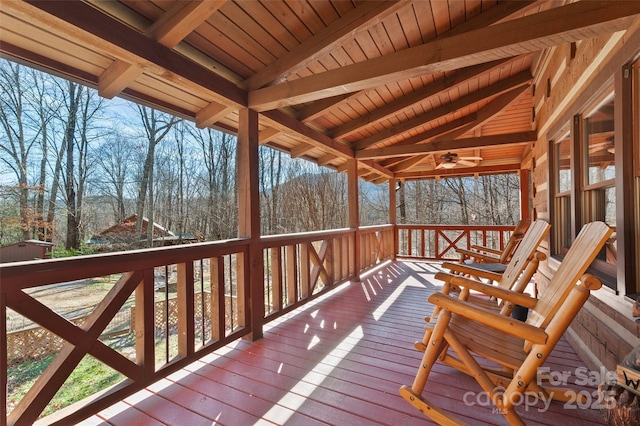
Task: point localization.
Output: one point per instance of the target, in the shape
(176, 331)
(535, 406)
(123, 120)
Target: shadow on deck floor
(338, 360)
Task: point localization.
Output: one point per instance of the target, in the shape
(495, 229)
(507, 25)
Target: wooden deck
(340, 360)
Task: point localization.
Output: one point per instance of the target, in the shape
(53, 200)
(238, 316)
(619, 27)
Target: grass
(89, 376)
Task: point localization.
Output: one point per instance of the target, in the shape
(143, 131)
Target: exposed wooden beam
(450, 145)
(485, 114)
(572, 22)
(117, 77)
(169, 30)
(455, 172)
(408, 163)
(496, 13)
(129, 45)
(358, 20)
(377, 168)
(445, 132)
(499, 88)
(175, 24)
(281, 121)
(420, 95)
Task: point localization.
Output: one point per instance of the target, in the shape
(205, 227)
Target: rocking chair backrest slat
(582, 252)
(524, 253)
(516, 237)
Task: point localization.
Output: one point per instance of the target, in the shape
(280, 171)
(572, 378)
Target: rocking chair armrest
(488, 258)
(488, 318)
(514, 297)
(465, 269)
(487, 249)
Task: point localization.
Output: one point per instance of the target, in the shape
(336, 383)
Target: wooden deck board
(339, 360)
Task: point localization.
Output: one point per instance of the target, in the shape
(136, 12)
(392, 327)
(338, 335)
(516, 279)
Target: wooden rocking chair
(482, 254)
(519, 348)
(516, 277)
(524, 252)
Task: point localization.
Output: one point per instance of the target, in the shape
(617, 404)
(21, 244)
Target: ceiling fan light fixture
(448, 165)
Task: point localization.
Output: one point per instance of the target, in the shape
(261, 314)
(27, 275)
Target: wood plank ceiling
(395, 84)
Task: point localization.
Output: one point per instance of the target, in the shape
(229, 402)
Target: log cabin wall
(569, 80)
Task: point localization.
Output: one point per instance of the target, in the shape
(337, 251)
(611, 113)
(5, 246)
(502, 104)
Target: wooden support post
(393, 216)
(354, 213)
(524, 194)
(249, 224)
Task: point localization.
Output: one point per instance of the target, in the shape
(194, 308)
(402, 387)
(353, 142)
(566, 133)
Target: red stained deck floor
(339, 360)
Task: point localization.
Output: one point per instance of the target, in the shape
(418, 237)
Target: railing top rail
(372, 228)
(50, 271)
(458, 227)
(302, 237)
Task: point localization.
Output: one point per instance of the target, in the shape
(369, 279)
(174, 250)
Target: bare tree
(19, 139)
(72, 103)
(113, 159)
(271, 163)
(156, 126)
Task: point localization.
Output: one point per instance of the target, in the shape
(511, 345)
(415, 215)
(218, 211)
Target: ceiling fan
(451, 160)
(606, 146)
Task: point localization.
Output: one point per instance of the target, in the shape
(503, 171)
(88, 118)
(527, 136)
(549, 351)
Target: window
(561, 220)
(599, 139)
(599, 195)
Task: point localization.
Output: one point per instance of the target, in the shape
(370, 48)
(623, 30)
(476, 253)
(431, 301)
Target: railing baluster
(218, 298)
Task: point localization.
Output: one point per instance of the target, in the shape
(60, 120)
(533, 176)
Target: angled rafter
(129, 45)
(468, 171)
(482, 116)
(326, 159)
(300, 150)
(320, 107)
(359, 19)
(267, 135)
(573, 22)
(499, 88)
(117, 77)
(210, 114)
(175, 24)
(482, 141)
(444, 131)
(169, 30)
(280, 121)
(495, 14)
(420, 95)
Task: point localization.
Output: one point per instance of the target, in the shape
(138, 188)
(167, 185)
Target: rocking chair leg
(435, 345)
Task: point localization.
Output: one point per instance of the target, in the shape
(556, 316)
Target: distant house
(125, 233)
(26, 250)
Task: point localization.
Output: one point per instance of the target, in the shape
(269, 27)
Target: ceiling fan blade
(470, 158)
(440, 166)
(466, 163)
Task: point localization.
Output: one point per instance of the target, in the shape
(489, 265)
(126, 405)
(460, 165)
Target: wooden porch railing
(160, 345)
(439, 242)
(187, 301)
(190, 300)
(298, 267)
